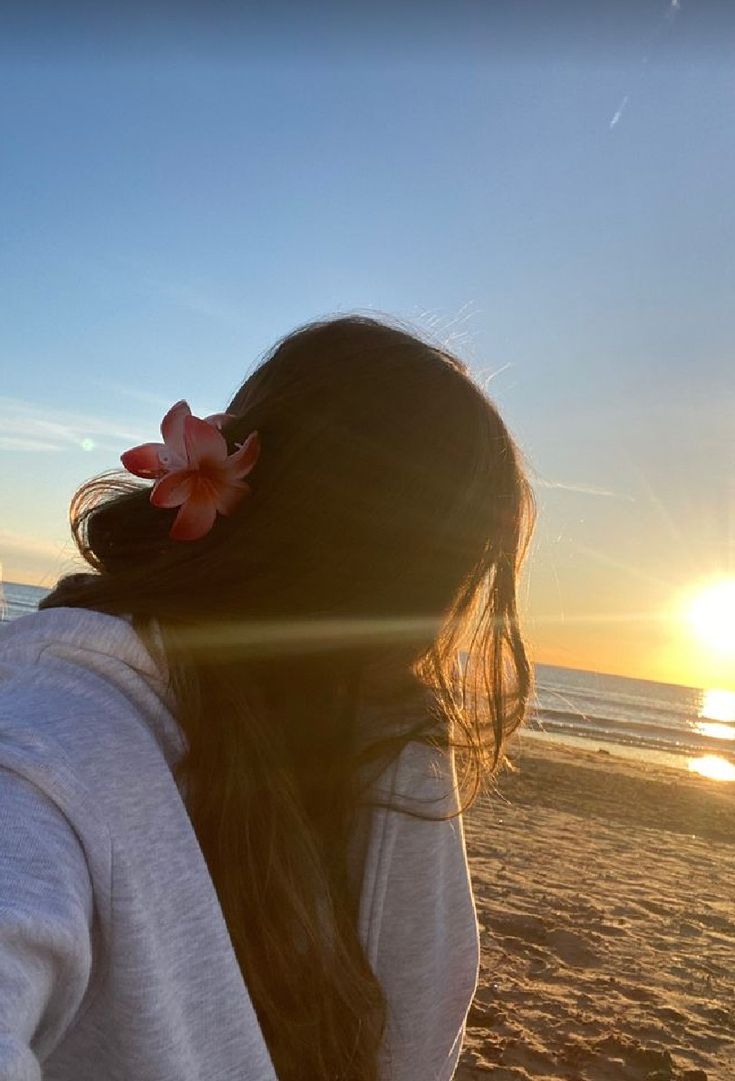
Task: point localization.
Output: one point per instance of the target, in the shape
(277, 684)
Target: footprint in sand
(572, 949)
(638, 1060)
(521, 925)
(569, 947)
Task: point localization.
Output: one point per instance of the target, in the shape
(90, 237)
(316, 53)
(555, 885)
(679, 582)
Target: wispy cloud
(629, 568)
(14, 442)
(28, 426)
(193, 298)
(27, 544)
(25, 557)
(583, 489)
(132, 392)
(112, 272)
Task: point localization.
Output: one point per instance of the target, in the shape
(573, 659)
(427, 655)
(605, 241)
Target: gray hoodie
(115, 959)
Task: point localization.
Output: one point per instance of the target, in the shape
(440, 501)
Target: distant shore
(604, 889)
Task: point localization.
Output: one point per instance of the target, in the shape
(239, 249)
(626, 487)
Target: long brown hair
(382, 540)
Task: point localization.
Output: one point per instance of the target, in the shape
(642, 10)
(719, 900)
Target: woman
(233, 842)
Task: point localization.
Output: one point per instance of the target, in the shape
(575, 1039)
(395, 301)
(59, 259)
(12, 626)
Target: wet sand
(605, 891)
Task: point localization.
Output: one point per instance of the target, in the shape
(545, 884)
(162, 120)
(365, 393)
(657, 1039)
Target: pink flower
(193, 470)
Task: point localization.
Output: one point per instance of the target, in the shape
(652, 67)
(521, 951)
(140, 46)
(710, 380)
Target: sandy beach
(606, 898)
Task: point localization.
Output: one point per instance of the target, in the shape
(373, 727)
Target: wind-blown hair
(381, 543)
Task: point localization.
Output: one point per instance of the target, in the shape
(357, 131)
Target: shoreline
(683, 758)
(604, 888)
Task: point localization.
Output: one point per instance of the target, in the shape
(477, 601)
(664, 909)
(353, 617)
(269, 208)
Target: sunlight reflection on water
(716, 729)
(718, 708)
(718, 705)
(717, 769)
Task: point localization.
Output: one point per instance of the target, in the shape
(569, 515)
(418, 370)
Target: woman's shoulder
(93, 641)
(83, 681)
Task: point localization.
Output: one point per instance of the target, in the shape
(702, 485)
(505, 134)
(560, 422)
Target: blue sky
(547, 188)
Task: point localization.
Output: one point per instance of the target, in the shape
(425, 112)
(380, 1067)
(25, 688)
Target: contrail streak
(618, 114)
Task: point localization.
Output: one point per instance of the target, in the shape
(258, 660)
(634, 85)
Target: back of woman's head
(385, 480)
(388, 518)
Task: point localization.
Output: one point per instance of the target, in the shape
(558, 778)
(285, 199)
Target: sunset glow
(711, 615)
(618, 393)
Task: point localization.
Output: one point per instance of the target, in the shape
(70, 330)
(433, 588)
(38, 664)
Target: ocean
(18, 600)
(682, 726)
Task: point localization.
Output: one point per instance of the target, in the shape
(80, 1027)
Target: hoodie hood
(105, 646)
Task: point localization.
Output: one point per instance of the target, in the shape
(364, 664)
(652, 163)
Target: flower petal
(228, 495)
(218, 419)
(172, 428)
(144, 460)
(173, 489)
(242, 461)
(196, 516)
(204, 444)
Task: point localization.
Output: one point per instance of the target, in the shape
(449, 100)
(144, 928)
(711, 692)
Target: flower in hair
(193, 470)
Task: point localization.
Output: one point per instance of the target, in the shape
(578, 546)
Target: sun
(711, 615)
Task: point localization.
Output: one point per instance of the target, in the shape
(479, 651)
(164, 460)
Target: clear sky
(548, 188)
